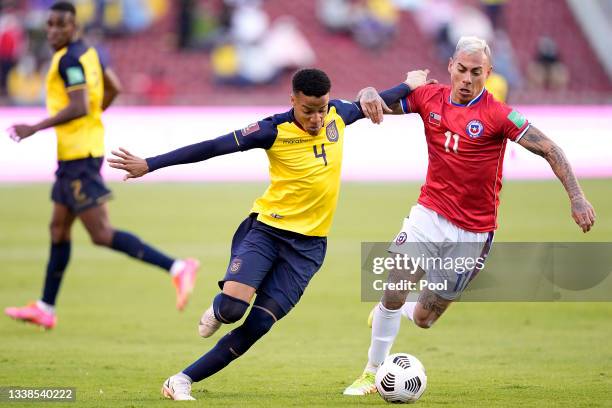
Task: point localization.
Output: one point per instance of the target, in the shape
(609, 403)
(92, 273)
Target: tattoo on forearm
(536, 142)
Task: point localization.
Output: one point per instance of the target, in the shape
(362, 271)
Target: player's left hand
(583, 213)
(124, 160)
(20, 132)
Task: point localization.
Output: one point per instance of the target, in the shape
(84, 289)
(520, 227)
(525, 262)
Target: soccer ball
(401, 378)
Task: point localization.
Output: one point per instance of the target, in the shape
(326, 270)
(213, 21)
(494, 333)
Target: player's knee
(263, 315)
(258, 322)
(392, 304)
(59, 233)
(424, 322)
(102, 237)
(229, 309)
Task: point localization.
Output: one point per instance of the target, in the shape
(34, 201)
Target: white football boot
(208, 323)
(178, 388)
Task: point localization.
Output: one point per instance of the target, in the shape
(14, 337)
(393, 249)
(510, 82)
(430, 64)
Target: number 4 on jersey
(322, 154)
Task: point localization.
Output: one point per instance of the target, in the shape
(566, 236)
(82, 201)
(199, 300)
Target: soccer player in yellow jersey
(79, 88)
(281, 245)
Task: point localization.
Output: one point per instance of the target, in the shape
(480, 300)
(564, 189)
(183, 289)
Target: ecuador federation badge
(331, 131)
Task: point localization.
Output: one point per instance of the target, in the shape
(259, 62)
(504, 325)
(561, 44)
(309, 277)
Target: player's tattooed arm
(536, 142)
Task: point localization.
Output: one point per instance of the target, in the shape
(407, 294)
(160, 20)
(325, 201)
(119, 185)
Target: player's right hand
(20, 132)
(133, 165)
(417, 78)
(373, 106)
(583, 213)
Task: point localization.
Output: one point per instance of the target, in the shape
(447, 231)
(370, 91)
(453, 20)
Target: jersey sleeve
(350, 112)
(72, 73)
(261, 134)
(412, 102)
(512, 123)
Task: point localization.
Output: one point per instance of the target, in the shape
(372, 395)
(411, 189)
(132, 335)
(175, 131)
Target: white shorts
(450, 256)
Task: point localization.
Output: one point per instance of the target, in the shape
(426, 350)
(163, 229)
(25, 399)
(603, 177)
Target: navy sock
(232, 345)
(132, 245)
(58, 260)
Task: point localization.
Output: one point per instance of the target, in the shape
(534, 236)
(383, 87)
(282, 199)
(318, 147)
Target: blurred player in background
(282, 244)
(79, 87)
(466, 130)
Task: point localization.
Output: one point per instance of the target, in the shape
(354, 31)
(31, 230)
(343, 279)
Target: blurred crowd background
(243, 52)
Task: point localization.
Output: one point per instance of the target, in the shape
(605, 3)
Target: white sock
(385, 326)
(408, 310)
(176, 267)
(45, 307)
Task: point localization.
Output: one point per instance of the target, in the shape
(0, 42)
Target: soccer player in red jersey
(466, 131)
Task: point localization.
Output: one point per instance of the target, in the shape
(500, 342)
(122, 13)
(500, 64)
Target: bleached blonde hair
(472, 44)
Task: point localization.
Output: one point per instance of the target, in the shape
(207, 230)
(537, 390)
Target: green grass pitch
(119, 335)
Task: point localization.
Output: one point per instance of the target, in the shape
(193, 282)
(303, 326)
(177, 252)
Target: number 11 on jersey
(455, 137)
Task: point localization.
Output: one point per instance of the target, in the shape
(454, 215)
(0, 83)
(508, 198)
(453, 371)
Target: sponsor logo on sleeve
(474, 129)
(75, 76)
(401, 238)
(517, 118)
(253, 127)
(331, 131)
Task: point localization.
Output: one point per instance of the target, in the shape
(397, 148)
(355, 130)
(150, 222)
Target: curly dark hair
(64, 6)
(311, 82)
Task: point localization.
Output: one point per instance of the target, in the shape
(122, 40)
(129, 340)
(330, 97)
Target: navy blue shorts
(276, 262)
(79, 185)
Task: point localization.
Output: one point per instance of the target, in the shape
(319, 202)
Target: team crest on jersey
(401, 238)
(474, 129)
(253, 127)
(235, 265)
(331, 131)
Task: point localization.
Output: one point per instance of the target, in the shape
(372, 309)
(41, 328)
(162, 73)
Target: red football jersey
(466, 145)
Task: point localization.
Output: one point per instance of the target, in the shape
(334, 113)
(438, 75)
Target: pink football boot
(32, 314)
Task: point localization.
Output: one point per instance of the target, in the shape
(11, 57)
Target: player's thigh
(252, 257)
(61, 223)
(298, 261)
(239, 290)
(418, 239)
(98, 225)
(79, 185)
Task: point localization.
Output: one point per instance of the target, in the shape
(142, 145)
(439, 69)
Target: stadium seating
(352, 67)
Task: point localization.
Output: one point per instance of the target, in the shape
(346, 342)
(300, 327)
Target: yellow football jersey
(304, 169)
(73, 67)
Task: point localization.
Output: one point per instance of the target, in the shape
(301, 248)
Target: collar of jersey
(470, 103)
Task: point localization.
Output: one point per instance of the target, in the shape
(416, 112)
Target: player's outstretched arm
(375, 105)
(536, 142)
(138, 167)
(76, 108)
